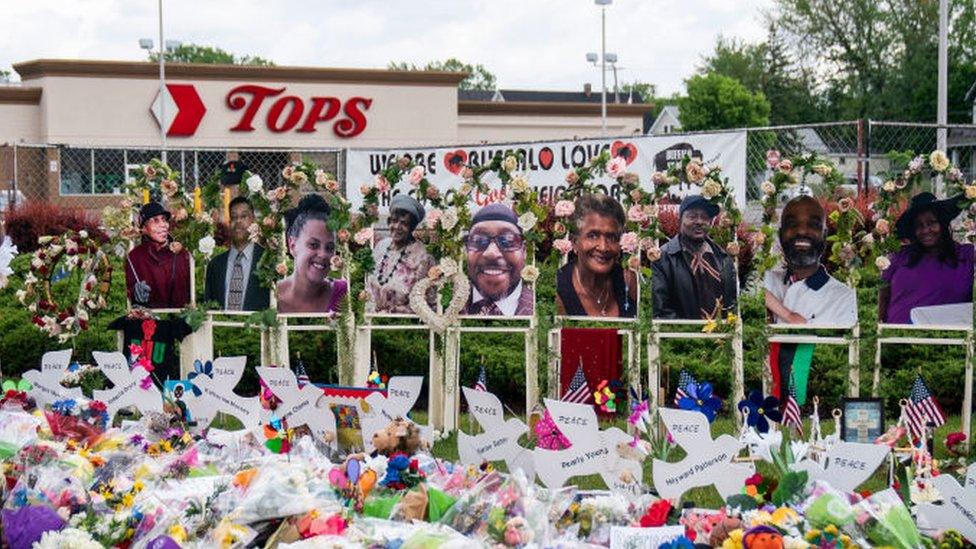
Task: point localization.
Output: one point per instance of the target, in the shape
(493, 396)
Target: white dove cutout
(46, 386)
(592, 451)
(958, 509)
(622, 474)
(297, 405)
(217, 395)
(402, 393)
(499, 442)
(127, 384)
(708, 461)
(846, 465)
(762, 445)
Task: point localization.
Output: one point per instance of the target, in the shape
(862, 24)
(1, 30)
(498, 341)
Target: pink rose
(659, 178)
(558, 229)
(332, 186)
(363, 236)
(288, 172)
(403, 162)
(565, 208)
(772, 159)
(267, 222)
(635, 195)
(433, 217)
(382, 185)
(616, 167)
(416, 174)
(636, 214)
(179, 214)
(365, 190)
(628, 242)
(563, 245)
(630, 178)
(786, 166)
(432, 192)
(733, 248)
(342, 235)
(280, 193)
(149, 171)
(882, 227)
(647, 243)
(336, 263)
(572, 177)
(845, 204)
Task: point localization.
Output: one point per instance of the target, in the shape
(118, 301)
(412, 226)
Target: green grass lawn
(701, 497)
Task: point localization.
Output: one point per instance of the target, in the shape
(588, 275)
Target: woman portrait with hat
(593, 282)
(931, 268)
(309, 289)
(157, 276)
(399, 260)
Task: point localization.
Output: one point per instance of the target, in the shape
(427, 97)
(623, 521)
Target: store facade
(71, 130)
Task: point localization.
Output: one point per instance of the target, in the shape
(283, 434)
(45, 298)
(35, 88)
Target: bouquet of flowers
(83, 424)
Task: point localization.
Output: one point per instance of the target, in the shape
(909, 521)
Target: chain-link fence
(91, 178)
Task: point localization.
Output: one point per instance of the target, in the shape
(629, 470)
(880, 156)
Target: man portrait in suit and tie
(231, 276)
(495, 258)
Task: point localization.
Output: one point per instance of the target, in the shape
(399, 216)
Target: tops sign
(272, 107)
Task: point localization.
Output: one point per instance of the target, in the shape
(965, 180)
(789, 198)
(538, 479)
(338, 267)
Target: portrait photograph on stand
(399, 259)
(309, 288)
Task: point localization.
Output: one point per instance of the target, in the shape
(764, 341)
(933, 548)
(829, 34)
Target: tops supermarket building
(71, 128)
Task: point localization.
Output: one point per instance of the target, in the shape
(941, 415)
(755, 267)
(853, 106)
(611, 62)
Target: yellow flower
(127, 500)
(734, 541)
(178, 533)
(709, 326)
(784, 516)
(137, 486)
(731, 318)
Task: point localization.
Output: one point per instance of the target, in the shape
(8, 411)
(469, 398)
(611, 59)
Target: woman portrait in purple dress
(931, 268)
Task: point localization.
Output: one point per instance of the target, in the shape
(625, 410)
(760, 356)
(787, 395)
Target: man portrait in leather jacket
(695, 278)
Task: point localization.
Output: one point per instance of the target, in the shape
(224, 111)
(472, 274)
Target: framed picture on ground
(862, 420)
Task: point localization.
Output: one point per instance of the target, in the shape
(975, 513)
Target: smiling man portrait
(495, 258)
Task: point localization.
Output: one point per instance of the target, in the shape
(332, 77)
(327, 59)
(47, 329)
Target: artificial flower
(761, 410)
(698, 397)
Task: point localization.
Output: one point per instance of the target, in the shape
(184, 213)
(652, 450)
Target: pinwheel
(200, 368)
(698, 397)
(605, 398)
(761, 410)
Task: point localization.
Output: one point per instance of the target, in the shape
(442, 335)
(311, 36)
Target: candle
(227, 205)
(197, 203)
(145, 196)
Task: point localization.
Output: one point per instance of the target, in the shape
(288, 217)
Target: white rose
(520, 184)
(939, 161)
(527, 221)
(321, 177)
(510, 163)
(450, 219)
(882, 262)
(768, 188)
(889, 186)
(21, 295)
(83, 234)
(255, 184)
(711, 189)
(530, 273)
(207, 245)
(448, 266)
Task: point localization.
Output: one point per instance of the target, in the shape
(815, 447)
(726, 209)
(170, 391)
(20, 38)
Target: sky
(527, 44)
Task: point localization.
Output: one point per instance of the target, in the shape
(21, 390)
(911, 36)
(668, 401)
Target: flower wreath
(715, 189)
(898, 188)
(848, 245)
(642, 229)
(82, 253)
(269, 207)
(190, 221)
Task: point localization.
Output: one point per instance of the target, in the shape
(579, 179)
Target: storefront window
(76, 171)
(108, 171)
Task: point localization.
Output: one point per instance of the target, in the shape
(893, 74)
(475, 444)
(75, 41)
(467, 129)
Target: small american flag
(791, 412)
(300, 374)
(579, 391)
(482, 383)
(684, 380)
(922, 408)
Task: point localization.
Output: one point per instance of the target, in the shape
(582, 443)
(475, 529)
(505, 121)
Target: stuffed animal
(762, 537)
(399, 436)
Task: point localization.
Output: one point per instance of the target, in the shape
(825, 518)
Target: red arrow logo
(184, 110)
(189, 110)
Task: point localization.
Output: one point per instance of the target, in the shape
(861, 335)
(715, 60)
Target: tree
(716, 102)
(193, 53)
(646, 90)
(479, 77)
(4, 75)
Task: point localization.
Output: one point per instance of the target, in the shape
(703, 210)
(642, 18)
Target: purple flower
(762, 410)
(698, 397)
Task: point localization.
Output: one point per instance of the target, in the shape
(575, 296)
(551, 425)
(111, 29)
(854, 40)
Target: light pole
(606, 58)
(942, 109)
(164, 46)
(603, 62)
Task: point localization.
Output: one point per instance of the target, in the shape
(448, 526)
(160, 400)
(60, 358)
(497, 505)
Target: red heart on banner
(545, 158)
(454, 161)
(627, 151)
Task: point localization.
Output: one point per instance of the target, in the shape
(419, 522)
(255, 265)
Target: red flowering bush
(35, 219)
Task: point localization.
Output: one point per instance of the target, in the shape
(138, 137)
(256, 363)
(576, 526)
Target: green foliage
(479, 77)
(646, 90)
(790, 487)
(716, 102)
(209, 55)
